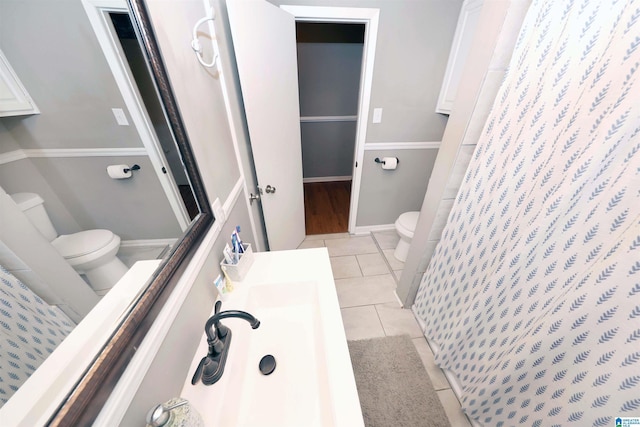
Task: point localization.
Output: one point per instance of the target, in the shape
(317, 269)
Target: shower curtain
(30, 329)
(532, 297)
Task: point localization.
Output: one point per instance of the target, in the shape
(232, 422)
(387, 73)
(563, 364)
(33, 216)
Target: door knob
(253, 197)
(270, 189)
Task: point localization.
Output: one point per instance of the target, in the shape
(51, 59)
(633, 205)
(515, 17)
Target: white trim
(427, 145)
(232, 198)
(29, 153)
(129, 383)
(147, 243)
(12, 156)
(85, 152)
(96, 11)
(320, 119)
(370, 18)
(234, 135)
(326, 179)
(366, 229)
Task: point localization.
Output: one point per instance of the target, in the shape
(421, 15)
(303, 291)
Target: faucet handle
(207, 368)
(222, 330)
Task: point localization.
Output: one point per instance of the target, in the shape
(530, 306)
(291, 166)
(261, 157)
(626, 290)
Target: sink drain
(267, 364)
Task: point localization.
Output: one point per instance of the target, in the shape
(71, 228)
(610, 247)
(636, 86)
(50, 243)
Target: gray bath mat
(394, 388)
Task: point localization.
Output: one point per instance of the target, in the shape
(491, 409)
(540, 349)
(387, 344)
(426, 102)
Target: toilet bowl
(405, 226)
(91, 252)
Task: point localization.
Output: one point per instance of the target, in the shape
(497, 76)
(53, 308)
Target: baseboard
(147, 243)
(326, 179)
(366, 229)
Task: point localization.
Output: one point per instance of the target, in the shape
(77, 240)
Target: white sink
(301, 326)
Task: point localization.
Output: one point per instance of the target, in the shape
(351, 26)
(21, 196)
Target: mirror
(82, 111)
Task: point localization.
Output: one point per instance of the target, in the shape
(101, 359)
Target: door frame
(96, 11)
(351, 15)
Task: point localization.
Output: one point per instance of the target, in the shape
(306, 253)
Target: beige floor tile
(327, 236)
(397, 320)
(345, 266)
(361, 323)
(386, 239)
(307, 244)
(452, 408)
(438, 378)
(351, 246)
(372, 264)
(366, 290)
(394, 263)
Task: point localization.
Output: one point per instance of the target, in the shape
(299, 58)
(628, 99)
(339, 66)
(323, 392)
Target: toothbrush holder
(236, 272)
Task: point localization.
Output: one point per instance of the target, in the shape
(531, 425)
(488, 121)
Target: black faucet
(211, 366)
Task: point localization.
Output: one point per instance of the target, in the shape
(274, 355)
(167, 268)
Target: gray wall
(54, 51)
(327, 148)
(328, 81)
(83, 205)
(329, 78)
(389, 193)
(414, 39)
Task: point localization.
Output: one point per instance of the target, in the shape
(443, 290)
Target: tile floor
(366, 274)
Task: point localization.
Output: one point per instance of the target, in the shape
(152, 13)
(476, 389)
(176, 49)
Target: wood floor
(326, 207)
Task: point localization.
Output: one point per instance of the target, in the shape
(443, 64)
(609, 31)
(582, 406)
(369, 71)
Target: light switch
(121, 118)
(377, 115)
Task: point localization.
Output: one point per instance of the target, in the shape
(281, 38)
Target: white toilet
(405, 226)
(91, 252)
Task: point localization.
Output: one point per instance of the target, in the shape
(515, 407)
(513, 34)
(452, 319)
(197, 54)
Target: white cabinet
(14, 99)
(462, 40)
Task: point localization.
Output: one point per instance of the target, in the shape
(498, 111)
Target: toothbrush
(240, 244)
(236, 250)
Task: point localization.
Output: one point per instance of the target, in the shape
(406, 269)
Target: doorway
(329, 59)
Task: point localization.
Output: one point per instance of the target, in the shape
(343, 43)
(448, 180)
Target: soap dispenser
(176, 412)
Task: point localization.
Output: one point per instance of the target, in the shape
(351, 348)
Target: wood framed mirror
(88, 397)
(90, 391)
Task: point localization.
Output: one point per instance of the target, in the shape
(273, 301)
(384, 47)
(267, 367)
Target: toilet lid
(409, 220)
(82, 243)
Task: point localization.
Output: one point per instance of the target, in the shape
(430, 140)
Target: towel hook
(195, 43)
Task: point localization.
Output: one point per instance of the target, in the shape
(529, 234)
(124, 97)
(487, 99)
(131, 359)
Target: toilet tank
(33, 207)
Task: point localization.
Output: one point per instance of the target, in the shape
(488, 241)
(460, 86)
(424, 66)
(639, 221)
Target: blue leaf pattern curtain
(532, 297)
(30, 330)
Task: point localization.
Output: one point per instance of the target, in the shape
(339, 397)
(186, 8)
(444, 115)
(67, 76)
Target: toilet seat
(406, 223)
(86, 246)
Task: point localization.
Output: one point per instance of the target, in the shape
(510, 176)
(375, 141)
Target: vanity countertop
(293, 294)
